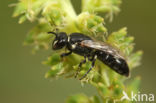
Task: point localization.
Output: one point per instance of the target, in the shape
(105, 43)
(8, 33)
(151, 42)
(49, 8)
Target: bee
(88, 48)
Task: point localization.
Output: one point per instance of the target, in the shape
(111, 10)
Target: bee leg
(79, 67)
(65, 54)
(93, 63)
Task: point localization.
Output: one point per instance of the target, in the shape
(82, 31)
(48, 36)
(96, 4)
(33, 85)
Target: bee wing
(101, 46)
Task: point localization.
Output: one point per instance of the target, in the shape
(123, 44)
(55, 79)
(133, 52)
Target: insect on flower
(85, 46)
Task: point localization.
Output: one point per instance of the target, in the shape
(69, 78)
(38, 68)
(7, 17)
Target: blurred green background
(22, 74)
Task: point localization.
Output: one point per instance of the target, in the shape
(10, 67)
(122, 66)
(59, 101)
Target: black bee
(91, 50)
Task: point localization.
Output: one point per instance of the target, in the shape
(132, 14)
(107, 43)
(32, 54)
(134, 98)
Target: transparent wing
(101, 46)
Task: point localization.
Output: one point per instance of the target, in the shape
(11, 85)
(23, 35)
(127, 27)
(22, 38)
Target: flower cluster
(52, 15)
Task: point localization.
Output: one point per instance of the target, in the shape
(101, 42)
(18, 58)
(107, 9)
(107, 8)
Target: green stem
(68, 8)
(84, 6)
(70, 16)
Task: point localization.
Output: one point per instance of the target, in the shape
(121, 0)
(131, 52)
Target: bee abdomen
(116, 63)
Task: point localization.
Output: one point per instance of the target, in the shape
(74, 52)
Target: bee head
(60, 40)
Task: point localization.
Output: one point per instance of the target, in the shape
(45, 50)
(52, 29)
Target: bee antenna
(52, 33)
